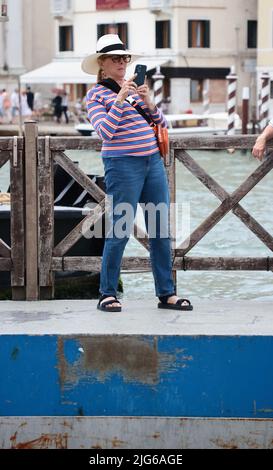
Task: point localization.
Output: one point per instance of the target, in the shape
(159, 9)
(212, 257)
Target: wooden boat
(187, 123)
(69, 204)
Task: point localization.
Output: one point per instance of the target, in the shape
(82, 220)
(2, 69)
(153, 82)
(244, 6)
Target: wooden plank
(183, 142)
(77, 232)
(6, 143)
(4, 157)
(93, 263)
(226, 206)
(222, 194)
(31, 211)
(5, 250)
(5, 264)
(78, 175)
(216, 142)
(195, 263)
(61, 144)
(17, 220)
(46, 218)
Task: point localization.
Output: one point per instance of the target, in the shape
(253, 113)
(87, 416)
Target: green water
(229, 238)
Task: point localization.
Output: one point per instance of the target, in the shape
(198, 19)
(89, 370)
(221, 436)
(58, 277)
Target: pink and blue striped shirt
(122, 129)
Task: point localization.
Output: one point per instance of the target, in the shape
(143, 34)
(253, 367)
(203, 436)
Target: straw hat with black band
(108, 44)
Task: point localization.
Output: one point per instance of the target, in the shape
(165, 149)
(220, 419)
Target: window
(66, 40)
(252, 34)
(116, 28)
(162, 34)
(196, 91)
(199, 33)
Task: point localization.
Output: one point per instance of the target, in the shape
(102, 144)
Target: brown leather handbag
(162, 136)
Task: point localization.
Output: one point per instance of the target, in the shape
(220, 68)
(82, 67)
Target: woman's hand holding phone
(144, 93)
(127, 87)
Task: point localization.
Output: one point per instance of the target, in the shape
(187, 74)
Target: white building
(192, 40)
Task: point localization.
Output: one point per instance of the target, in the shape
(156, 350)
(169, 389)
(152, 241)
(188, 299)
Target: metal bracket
(15, 151)
(47, 151)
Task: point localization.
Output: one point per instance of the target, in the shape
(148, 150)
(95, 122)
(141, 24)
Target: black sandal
(102, 306)
(177, 306)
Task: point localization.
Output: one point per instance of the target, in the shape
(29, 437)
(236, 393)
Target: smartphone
(141, 72)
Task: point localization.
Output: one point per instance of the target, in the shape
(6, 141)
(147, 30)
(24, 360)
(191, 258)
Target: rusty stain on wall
(45, 441)
(234, 443)
(136, 359)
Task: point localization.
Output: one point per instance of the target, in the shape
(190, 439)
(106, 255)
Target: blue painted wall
(149, 376)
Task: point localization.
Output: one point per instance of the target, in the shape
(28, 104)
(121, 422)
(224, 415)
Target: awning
(58, 71)
(62, 71)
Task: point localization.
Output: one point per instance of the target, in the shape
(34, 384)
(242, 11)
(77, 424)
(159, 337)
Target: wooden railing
(35, 232)
(12, 257)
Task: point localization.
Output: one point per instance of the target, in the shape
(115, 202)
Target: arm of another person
(260, 144)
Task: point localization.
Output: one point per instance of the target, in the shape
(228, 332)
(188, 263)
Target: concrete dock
(75, 377)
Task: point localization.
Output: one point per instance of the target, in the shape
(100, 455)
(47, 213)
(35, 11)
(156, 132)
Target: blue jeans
(133, 180)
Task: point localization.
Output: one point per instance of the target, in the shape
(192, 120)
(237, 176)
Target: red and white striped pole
(259, 105)
(4, 11)
(158, 87)
(205, 94)
(231, 104)
(265, 100)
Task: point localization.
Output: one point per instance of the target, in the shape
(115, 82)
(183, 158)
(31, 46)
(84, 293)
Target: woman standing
(134, 171)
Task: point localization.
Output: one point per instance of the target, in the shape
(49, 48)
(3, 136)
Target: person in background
(134, 170)
(6, 106)
(30, 98)
(14, 105)
(57, 103)
(38, 104)
(260, 144)
(25, 109)
(65, 106)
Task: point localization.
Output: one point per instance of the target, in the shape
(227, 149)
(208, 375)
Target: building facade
(193, 40)
(26, 40)
(265, 45)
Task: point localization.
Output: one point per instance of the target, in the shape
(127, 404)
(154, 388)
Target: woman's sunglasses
(118, 58)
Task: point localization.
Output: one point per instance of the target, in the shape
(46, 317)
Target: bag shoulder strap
(115, 87)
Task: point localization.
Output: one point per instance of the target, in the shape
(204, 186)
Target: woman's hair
(100, 75)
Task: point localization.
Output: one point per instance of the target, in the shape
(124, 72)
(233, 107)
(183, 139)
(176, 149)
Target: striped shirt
(122, 129)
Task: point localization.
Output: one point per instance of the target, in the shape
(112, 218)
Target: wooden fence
(33, 256)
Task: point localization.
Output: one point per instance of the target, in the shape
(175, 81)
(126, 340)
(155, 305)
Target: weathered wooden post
(31, 210)
(46, 218)
(17, 228)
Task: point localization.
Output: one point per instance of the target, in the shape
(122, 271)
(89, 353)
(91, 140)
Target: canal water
(229, 238)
